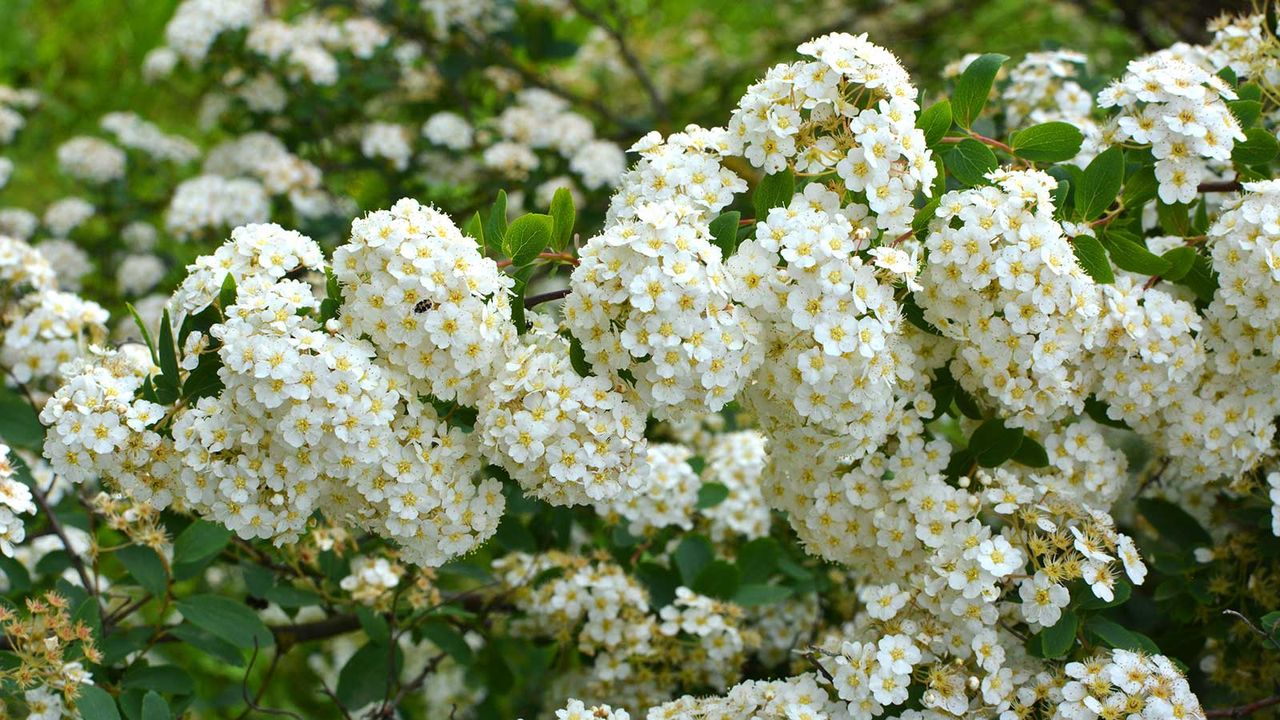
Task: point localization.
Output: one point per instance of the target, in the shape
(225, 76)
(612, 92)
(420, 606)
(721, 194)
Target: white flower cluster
(371, 579)
(65, 215)
(437, 310)
(566, 439)
(15, 501)
(1002, 280)
(135, 133)
(69, 260)
(597, 604)
(42, 327)
(208, 203)
(6, 171)
(651, 295)
(263, 157)
(196, 24)
(1044, 87)
(387, 141)
(306, 419)
(833, 353)
(450, 130)
(795, 698)
(669, 498)
(737, 460)
(91, 159)
(714, 625)
(13, 101)
(306, 44)
(852, 110)
(539, 121)
(576, 710)
(1180, 110)
(1127, 683)
(139, 273)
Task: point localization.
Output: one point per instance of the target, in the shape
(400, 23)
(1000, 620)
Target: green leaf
(1100, 184)
(724, 232)
(563, 216)
(1117, 636)
(1258, 148)
(1271, 622)
(208, 643)
(1057, 640)
(374, 625)
(1174, 219)
(973, 87)
(1031, 454)
(1174, 523)
(755, 594)
(1246, 111)
(578, 357)
(95, 704)
(1049, 142)
(154, 707)
(201, 540)
(1130, 255)
(19, 424)
(993, 443)
(474, 229)
(142, 329)
(969, 162)
(160, 678)
(495, 225)
(227, 293)
(367, 675)
(146, 567)
(167, 382)
(773, 191)
(711, 494)
(225, 618)
(1120, 594)
(449, 640)
(692, 555)
(1180, 260)
(935, 121)
(1092, 258)
(718, 579)
(528, 236)
(758, 559)
(1140, 188)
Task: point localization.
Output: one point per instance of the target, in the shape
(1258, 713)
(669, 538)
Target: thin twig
(251, 704)
(628, 57)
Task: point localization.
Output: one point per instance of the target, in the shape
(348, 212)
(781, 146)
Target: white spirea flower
(796, 697)
(566, 439)
(1180, 110)
(437, 310)
(669, 498)
(135, 133)
(138, 274)
(1104, 684)
(651, 295)
(196, 24)
(737, 460)
(70, 262)
(450, 130)
(1003, 281)
(387, 141)
(91, 159)
(576, 710)
(15, 501)
(851, 110)
(208, 203)
(65, 215)
(371, 578)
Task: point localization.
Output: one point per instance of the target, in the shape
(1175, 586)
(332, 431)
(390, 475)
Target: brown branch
(1243, 710)
(536, 300)
(1223, 186)
(76, 561)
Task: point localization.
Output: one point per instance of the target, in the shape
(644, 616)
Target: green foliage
(774, 190)
(1049, 142)
(973, 87)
